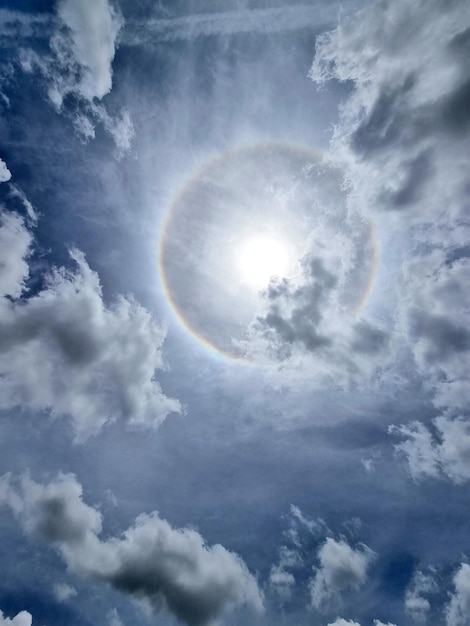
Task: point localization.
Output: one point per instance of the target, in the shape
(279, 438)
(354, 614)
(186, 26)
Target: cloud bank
(403, 139)
(65, 351)
(168, 568)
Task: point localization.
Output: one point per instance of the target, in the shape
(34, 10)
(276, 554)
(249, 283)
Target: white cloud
(416, 601)
(168, 568)
(448, 454)
(341, 568)
(16, 192)
(83, 45)
(281, 579)
(15, 242)
(5, 173)
(458, 609)
(87, 47)
(63, 592)
(66, 351)
(22, 619)
(342, 622)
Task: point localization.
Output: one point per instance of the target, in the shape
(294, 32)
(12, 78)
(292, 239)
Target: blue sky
(234, 313)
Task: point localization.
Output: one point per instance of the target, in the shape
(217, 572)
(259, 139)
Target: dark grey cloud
(301, 324)
(64, 350)
(169, 568)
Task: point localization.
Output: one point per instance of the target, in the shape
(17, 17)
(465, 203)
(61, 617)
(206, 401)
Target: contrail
(272, 20)
(17, 25)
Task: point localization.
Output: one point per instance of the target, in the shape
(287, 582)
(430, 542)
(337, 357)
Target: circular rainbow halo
(249, 217)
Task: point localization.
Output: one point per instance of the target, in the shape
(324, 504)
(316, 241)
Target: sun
(261, 258)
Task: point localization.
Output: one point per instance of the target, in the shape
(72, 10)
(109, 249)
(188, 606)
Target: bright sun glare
(259, 259)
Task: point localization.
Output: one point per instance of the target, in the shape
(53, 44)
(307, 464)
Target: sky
(234, 306)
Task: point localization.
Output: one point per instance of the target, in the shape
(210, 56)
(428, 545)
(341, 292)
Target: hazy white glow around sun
(260, 258)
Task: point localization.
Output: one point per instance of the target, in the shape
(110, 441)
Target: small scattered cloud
(340, 568)
(114, 619)
(64, 350)
(5, 173)
(416, 598)
(168, 568)
(281, 578)
(63, 592)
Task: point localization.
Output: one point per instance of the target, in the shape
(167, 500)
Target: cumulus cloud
(458, 609)
(66, 351)
(5, 173)
(168, 568)
(444, 454)
(341, 567)
(22, 619)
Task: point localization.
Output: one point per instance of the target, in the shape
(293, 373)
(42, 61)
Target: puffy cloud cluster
(341, 567)
(404, 140)
(22, 619)
(64, 350)
(169, 568)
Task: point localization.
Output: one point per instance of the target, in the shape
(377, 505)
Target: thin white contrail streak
(16, 25)
(272, 20)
